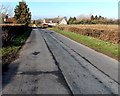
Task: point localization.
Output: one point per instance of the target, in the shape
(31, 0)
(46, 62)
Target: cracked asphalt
(50, 63)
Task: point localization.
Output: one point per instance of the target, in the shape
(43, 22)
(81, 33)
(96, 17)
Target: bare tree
(82, 16)
(5, 11)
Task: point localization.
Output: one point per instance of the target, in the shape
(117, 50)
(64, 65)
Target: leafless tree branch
(5, 9)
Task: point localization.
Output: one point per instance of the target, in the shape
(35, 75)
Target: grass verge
(96, 44)
(9, 52)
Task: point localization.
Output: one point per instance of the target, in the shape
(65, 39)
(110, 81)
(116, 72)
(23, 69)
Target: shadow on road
(38, 27)
(9, 74)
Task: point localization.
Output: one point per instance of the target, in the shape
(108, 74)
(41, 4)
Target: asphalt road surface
(50, 63)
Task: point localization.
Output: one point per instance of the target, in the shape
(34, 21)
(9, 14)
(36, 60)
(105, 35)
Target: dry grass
(103, 32)
(101, 26)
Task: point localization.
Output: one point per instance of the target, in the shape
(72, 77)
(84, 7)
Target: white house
(55, 21)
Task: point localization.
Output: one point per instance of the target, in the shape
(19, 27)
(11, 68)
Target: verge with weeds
(9, 52)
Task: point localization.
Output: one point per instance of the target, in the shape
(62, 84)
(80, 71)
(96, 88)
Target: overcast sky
(40, 9)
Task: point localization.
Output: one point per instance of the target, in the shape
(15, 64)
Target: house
(55, 21)
(8, 20)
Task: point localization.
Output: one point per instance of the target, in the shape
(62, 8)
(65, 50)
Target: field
(103, 32)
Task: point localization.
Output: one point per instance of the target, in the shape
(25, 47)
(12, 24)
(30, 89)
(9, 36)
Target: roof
(54, 20)
(9, 20)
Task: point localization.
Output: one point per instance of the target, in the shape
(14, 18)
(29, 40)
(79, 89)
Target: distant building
(39, 21)
(55, 21)
(32, 21)
(8, 20)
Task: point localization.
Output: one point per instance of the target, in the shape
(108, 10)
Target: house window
(4, 19)
(50, 21)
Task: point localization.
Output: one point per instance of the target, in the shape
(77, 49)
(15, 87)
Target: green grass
(10, 50)
(20, 39)
(96, 44)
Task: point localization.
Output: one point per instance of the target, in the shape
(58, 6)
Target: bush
(9, 32)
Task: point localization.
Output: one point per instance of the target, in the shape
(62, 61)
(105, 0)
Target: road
(50, 63)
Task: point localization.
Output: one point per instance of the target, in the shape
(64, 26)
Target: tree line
(92, 20)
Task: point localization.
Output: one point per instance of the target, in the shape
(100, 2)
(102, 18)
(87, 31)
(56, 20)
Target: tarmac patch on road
(36, 53)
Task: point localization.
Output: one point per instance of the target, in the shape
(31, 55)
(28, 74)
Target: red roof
(9, 20)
